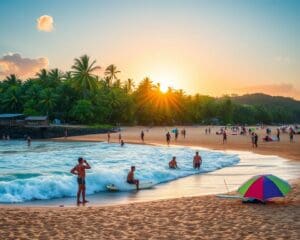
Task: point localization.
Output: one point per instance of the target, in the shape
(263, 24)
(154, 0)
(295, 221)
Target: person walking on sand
(173, 163)
(184, 132)
(142, 135)
(168, 138)
(224, 137)
(197, 161)
(131, 179)
(176, 134)
(79, 170)
(120, 137)
(255, 139)
(278, 134)
(108, 137)
(291, 135)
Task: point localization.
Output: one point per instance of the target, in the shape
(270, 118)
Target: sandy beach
(195, 136)
(205, 217)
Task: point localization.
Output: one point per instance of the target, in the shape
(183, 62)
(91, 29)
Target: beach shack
(37, 121)
(11, 119)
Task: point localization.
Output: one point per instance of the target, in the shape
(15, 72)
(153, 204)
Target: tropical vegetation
(82, 96)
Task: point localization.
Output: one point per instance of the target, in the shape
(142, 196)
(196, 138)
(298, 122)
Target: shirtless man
(173, 163)
(79, 170)
(131, 179)
(197, 161)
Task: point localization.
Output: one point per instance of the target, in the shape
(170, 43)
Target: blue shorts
(81, 181)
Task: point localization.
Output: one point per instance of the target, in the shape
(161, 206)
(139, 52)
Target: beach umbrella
(263, 187)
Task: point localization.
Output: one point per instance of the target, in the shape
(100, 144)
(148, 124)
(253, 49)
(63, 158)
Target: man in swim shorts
(131, 179)
(197, 161)
(79, 170)
(173, 163)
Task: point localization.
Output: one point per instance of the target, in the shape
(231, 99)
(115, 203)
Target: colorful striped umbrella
(263, 187)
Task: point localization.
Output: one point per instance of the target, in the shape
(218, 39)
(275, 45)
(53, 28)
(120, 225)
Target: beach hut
(37, 121)
(11, 119)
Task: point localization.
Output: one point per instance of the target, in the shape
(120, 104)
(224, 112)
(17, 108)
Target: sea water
(42, 171)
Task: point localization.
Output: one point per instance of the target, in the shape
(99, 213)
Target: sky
(212, 47)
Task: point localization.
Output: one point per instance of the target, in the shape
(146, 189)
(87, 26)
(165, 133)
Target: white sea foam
(42, 170)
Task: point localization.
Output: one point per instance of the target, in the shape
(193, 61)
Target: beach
(199, 217)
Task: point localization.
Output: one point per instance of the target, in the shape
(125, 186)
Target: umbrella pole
(226, 186)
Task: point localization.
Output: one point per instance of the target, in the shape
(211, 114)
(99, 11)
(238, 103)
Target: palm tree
(43, 75)
(129, 85)
(82, 77)
(12, 79)
(48, 100)
(111, 73)
(55, 75)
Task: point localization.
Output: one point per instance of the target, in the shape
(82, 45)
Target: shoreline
(190, 217)
(163, 191)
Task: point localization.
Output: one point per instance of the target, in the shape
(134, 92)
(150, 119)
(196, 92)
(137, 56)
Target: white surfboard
(143, 185)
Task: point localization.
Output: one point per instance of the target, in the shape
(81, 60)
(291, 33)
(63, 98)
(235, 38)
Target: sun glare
(163, 87)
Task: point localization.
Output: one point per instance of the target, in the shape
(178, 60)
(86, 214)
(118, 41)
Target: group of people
(80, 168)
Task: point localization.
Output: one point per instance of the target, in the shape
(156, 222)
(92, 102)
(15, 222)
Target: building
(11, 119)
(37, 121)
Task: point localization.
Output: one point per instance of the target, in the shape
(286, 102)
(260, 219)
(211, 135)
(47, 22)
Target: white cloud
(45, 23)
(22, 67)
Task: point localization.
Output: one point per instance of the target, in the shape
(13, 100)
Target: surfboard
(143, 185)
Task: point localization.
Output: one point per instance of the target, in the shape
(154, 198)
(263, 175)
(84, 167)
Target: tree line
(80, 96)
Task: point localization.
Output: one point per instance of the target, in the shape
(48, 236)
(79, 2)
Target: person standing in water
(131, 179)
(122, 143)
(173, 163)
(28, 141)
(142, 135)
(197, 161)
(291, 135)
(79, 170)
(168, 138)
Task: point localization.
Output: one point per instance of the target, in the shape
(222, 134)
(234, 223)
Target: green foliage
(79, 96)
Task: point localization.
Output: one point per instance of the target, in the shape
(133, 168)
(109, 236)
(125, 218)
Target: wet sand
(205, 217)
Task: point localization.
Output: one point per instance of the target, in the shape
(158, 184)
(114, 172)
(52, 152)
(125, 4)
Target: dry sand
(205, 217)
(184, 218)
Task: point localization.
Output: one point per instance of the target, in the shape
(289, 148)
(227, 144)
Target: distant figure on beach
(168, 138)
(176, 134)
(108, 137)
(173, 163)
(197, 161)
(255, 139)
(122, 143)
(120, 137)
(291, 134)
(131, 179)
(7, 137)
(3, 136)
(224, 137)
(278, 134)
(28, 141)
(79, 170)
(66, 132)
(142, 135)
(208, 130)
(184, 133)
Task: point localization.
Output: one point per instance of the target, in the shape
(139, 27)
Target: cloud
(283, 89)
(22, 67)
(45, 23)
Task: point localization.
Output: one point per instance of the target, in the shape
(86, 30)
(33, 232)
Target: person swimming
(131, 179)
(173, 163)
